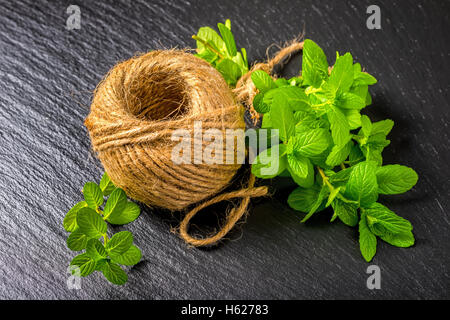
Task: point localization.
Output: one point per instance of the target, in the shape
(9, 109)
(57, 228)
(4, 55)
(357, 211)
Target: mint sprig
(87, 223)
(220, 51)
(331, 151)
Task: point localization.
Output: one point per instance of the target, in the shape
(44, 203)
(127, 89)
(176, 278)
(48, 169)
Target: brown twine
(134, 112)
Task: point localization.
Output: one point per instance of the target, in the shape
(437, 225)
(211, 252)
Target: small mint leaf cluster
(330, 150)
(221, 52)
(87, 223)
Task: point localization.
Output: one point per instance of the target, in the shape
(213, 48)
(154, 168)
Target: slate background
(47, 75)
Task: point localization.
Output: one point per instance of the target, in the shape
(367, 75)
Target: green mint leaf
(366, 126)
(320, 159)
(228, 38)
(130, 213)
(383, 127)
(341, 177)
(341, 77)
(302, 199)
(93, 195)
(326, 95)
(259, 105)
(349, 100)
(402, 240)
(362, 184)
(113, 273)
(355, 155)
(353, 118)
(222, 53)
(106, 185)
(340, 129)
(296, 98)
(347, 212)
(363, 78)
(368, 99)
(295, 81)
(310, 142)
(262, 81)
(209, 56)
(239, 60)
(210, 36)
(362, 92)
(367, 240)
(267, 165)
(85, 263)
(229, 70)
(338, 154)
(281, 82)
(373, 154)
(306, 120)
(282, 117)
(314, 64)
(116, 203)
(378, 141)
(96, 250)
(395, 179)
(373, 148)
(91, 223)
(129, 258)
(77, 241)
(119, 243)
(244, 57)
(70, 220)
(99, 264)
(381, 220)
(306, 182)
(323, 194)
(299, 165)
(266, 122)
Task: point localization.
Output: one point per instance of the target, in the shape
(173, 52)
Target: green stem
(325, 178)
(107, 216)
(101, 213)
(105, 239)
(206, 44)
(313, 90)
(321, 104)
(342, 166)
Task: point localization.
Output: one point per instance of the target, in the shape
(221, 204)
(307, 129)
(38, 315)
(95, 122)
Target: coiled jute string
(136, 109)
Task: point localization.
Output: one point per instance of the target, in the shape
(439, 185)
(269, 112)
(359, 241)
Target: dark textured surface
(47, 75)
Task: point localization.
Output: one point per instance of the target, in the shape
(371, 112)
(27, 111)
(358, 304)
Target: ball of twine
(136, 109)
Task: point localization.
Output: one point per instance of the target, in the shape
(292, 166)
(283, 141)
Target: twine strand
(232, 218)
